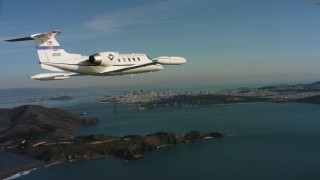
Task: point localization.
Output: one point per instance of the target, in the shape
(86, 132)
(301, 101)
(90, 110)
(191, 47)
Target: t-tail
(48, 49)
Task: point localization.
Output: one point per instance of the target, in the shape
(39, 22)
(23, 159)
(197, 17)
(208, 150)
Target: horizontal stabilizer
(20, 39)
(45, 36)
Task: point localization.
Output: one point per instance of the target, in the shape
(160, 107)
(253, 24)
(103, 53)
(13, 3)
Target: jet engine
(103, 58)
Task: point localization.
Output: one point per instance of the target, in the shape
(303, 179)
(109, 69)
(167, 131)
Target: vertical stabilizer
(48, 49)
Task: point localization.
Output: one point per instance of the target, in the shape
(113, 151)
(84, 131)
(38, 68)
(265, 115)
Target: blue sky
(226, 42)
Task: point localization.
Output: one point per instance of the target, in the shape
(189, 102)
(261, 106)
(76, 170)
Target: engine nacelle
(103, 58)
(170, 60)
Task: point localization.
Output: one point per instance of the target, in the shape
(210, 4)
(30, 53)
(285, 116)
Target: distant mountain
(299, 87)
(34, 123)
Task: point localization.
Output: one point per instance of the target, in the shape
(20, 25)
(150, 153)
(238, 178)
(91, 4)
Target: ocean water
(263, 141)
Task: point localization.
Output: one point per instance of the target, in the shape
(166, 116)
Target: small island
(47, 134)
(61, 98)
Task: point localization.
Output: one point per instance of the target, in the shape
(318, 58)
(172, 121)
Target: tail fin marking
(48, 48)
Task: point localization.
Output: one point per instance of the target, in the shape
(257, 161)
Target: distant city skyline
(226, 43)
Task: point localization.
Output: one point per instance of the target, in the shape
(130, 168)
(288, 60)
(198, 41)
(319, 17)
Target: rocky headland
(47, 134)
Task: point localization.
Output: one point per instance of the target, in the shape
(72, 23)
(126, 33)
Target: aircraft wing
(124, 67)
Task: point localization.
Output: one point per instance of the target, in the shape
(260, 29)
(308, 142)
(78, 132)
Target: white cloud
(315, 2)
(145, 14)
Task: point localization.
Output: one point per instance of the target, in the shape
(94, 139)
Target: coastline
(185, 102)
(35, 172)
(128, 147)
(16, 172)
(11, 173)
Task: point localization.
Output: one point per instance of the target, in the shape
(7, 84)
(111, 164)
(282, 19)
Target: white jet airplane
(64, 65)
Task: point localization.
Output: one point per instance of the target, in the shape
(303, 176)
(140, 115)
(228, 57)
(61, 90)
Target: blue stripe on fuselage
(48, 47)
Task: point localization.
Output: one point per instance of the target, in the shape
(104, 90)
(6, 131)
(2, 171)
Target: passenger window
(124, 59)
(134, 59)
(129, 59)
(138, 58)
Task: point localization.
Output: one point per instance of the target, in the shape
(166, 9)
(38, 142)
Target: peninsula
(47, 134)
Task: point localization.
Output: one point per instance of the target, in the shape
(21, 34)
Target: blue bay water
(263, 141)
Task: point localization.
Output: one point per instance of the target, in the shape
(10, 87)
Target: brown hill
(36, 123)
